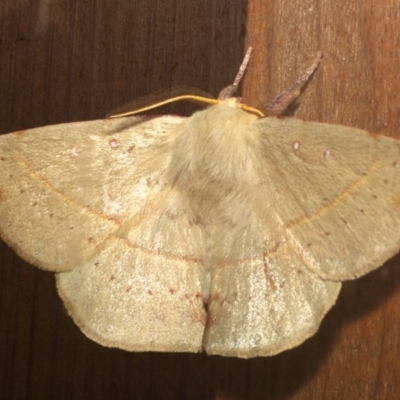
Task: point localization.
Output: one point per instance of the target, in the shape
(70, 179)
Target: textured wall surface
(77, 60)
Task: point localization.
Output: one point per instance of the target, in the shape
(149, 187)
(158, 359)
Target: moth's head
(232, 102)
(236, 102)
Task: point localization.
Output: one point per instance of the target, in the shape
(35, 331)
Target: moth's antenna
(243, 67)
(231, 89)
(280, 102)
(145, 104)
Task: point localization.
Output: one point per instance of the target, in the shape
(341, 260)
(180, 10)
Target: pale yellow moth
(225, 232)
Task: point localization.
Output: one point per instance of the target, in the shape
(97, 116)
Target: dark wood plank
(77, 60)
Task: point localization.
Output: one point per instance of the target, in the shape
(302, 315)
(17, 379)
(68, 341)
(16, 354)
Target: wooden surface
(76, 60)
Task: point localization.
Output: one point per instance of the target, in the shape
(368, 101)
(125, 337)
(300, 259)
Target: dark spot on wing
(113, 143)
(198, 296)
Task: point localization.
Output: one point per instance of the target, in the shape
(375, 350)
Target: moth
(226, 232)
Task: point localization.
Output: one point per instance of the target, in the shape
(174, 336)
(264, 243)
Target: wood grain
(355, 354)
(72, 60)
